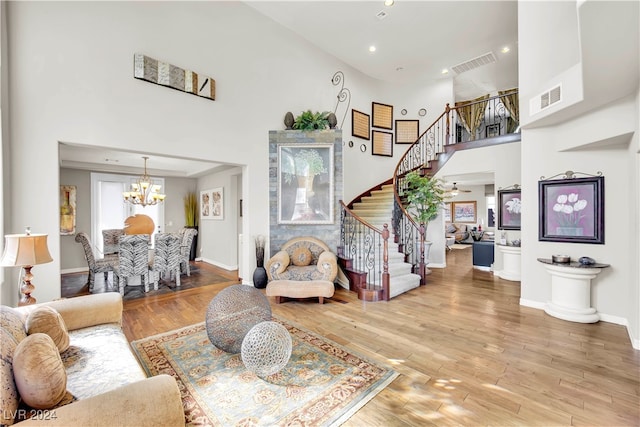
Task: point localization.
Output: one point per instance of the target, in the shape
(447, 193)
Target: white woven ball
(266, 348)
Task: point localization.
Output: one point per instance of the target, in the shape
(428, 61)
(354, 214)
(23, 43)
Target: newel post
(422, 267)
(385, 262)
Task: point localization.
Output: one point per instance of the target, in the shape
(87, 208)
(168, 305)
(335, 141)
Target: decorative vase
(288, 120)
(194, 244)
(260, 277)
(333, 120)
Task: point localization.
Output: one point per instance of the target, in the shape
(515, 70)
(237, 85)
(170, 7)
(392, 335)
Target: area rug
(323, 383)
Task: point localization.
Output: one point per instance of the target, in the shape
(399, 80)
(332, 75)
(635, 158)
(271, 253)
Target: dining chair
(133, 260)
(185, 248)
(166, 258)
(110, 240)
(96, 265)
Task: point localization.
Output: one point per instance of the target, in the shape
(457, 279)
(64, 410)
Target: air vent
(381, 15)
(545, 100)
(487, 58)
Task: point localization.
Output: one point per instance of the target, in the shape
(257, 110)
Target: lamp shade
(25, 249)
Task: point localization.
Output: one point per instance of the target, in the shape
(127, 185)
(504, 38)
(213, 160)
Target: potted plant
(311, 121)
(424, 196)
(191, 219)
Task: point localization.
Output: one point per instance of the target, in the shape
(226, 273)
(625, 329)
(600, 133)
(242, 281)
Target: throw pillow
(39, 372)
(451, 229)
(48, 321)
(301, 256)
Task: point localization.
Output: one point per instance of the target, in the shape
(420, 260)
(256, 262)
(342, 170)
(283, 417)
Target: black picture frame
(509, 209)
(571, 210)
(381, 143)
(360, 124)
(382, 115)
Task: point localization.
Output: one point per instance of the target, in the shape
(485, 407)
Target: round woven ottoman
(266, 348)
(232, 313)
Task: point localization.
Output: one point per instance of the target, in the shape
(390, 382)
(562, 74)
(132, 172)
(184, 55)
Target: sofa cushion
(38, 372)
(451, 229)
(99, 360)
(48, 321)
(9, 397)
(13, 322)
(301, 256)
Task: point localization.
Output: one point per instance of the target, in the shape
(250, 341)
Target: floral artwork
(572, 210)
(510, 208)
(212, 204)
(305, 184)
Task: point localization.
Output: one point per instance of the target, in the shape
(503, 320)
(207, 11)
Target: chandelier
(144, 192)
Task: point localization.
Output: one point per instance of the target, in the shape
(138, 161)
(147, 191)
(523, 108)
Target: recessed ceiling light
(505, 49)
(372, 48)
(445, 71)
(388, 2)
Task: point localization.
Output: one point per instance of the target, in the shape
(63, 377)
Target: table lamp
(25, 250)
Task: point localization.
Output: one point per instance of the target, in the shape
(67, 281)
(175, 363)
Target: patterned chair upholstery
(187, 235)
(302, 259)
(110, 240)
(133, 260)
(166, 258)
(99, 265)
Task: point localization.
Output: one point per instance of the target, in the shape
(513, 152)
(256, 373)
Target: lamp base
(27, 288)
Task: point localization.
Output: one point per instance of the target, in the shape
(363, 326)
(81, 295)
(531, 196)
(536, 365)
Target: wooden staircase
(377, 210)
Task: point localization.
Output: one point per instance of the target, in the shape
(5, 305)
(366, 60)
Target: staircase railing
(367, 248)
(479, 119)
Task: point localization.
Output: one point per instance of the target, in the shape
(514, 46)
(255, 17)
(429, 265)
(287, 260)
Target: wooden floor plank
(466, 351)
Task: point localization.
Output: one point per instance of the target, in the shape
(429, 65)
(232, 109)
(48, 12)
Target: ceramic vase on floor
(260, 277)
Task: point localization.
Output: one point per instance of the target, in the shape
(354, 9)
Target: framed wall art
(382, 115)
(407, 131)
(571, 210)
(67, 210)
(509, 209)
(360, 124)
(447, 212)
(381, 143)
(305, 183)
(464, 212)
(212, 204)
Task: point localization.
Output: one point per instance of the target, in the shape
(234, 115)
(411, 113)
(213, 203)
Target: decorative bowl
(561, 259)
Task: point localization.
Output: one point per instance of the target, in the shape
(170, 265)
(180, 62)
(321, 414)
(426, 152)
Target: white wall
(71, 72)
(596, 134)
(218, 239)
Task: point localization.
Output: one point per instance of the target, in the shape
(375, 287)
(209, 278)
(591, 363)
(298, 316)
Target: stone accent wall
(280, 233)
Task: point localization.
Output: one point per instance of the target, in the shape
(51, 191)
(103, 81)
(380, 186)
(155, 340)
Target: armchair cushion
(323, 263)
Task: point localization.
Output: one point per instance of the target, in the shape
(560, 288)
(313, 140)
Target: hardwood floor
(467, 352)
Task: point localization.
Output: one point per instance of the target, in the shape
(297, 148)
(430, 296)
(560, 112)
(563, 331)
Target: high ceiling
(415, 40)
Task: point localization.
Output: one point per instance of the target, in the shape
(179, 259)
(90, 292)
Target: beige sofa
(102, 373)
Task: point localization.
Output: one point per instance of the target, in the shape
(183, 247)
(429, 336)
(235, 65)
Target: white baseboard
(532, 304)
(218, 264)
(436, 265)
(635, 343)
(74, 270)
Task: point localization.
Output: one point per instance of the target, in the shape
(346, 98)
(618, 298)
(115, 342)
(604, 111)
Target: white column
(510, 263)
(571, 293)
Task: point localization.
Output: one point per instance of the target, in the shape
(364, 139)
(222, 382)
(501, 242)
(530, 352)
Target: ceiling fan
(455, 191)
